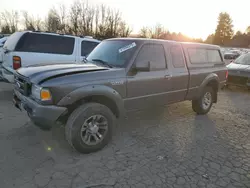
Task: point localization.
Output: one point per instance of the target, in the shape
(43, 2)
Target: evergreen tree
(224, 31)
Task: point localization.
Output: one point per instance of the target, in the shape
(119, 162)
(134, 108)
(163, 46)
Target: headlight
(35, 91)
(40, 93)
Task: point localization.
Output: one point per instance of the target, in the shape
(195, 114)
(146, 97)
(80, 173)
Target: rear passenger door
(38, 48)
(147, 89)
(179, 72)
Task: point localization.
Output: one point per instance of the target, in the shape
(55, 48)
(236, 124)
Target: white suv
(2, 41)
(24, 49)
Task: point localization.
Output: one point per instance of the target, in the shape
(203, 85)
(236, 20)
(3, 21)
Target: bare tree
(32, 23)
(87, 15)
(97, 14)
(81, 19)
(102, 26)
(10, 20)
(144, 32)
(157, 31)
(62, 14)
(52, 23)
(75, 11)
(124, 29)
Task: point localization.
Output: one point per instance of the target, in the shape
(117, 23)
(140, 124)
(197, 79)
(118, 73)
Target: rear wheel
(89, 127)
(205, 101)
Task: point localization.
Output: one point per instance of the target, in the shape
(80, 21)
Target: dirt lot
(164, 147)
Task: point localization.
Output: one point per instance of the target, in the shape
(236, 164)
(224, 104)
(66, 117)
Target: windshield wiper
(106, 64)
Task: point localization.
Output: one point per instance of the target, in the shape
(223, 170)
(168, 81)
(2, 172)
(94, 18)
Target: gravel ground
(163, 147)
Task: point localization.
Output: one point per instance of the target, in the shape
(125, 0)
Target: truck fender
(94, 90)
(213, 80)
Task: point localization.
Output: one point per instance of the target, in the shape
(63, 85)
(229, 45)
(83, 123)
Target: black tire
(76, 121)
(197, 105)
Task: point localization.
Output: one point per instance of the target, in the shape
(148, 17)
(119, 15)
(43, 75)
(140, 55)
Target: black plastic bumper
(43, 116)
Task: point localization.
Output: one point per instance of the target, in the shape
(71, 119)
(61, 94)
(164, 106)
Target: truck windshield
(115, 53)
(243, 59)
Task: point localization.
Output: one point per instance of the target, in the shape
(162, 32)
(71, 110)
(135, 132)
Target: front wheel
(89, 127)
(205, 101)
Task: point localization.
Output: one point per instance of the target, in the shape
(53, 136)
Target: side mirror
(1, 45)
(143, 66)
(83, 58)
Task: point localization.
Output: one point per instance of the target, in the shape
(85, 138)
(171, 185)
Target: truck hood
(37, 74)
(239, 67)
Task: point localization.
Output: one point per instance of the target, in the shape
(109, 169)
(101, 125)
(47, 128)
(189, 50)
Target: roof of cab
(141, 39)
(191, 44)
(203, 45)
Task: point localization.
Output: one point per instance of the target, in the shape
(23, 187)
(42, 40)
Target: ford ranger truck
(119, 75)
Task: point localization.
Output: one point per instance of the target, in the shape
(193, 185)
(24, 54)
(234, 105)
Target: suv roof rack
(89, 37)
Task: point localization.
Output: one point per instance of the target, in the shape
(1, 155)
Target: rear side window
(214, 56)
(228, 56)
(197, 55)
(43, 43)
(10, 44)
(87, 47)
(154, 53)
(177, 57)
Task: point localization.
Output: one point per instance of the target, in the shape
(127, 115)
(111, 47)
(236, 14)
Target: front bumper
(41, 115)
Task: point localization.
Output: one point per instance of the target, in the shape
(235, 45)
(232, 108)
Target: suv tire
(204, 103)
(89, 127)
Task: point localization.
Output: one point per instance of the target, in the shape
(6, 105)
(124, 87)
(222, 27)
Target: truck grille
(22, 85)
(237, 80)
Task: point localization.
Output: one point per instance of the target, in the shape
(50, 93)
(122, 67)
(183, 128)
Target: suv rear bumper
(43, 116)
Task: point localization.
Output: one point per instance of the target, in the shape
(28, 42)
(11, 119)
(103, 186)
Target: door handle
(168, 77)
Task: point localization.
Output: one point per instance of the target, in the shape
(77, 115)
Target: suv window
(12, 41)
(177, 56)
(44, 43)
(87, 47)
(197, 55)
(214, 56)
(154, 53)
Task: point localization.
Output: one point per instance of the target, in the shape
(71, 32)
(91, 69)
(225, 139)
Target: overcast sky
(195, 18)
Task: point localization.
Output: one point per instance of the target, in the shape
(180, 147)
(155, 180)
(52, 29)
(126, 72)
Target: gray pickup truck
(118, 76)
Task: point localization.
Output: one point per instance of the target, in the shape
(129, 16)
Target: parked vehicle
(2, 41)
(239, 71)
(230, 56)
(24, 49)
(122, 75)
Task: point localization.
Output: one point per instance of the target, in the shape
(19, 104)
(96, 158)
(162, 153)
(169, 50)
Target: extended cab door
(179, 72)
(147, 89)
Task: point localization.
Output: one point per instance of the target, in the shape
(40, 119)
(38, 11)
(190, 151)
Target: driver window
(154, 53)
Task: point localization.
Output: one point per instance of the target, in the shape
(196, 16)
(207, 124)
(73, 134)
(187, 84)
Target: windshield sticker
(125, 48)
